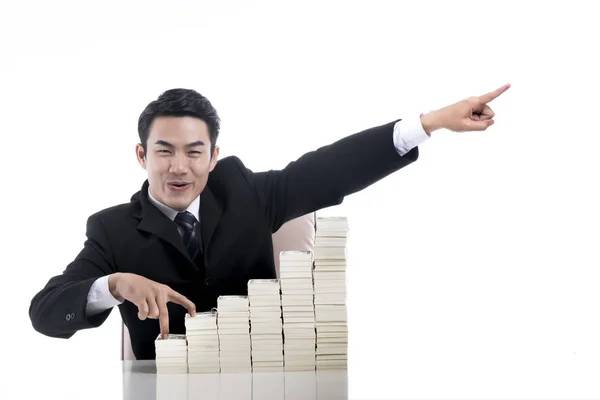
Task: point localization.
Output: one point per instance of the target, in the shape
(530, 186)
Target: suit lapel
(210, 214)
(153, 221)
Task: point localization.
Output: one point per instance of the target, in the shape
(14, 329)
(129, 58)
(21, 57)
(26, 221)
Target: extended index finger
(182, 300)
(163, 315)
(486, 98)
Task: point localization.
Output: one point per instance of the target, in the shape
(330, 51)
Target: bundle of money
(330, 293)
(171, 354)
(298, 310)
(266, 325)
(233, 327)
(203, 342)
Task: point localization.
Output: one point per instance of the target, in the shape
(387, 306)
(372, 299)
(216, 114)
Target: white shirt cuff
(99, 297)
(409, 133)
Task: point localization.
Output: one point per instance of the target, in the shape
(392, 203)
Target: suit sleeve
(323, 177)
(59, 309)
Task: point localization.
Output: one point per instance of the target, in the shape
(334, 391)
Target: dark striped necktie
(187, 226)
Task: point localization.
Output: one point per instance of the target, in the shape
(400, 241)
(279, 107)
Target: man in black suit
(200, 228)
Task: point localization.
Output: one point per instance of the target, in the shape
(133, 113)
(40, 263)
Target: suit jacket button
(68, 317)
(72, 315)
(207, 282)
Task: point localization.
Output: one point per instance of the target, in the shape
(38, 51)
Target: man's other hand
(471, 114)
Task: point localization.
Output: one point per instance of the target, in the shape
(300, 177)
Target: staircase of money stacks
(295, 323)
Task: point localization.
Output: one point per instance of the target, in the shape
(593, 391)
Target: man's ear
(141, 155)
(215, 157)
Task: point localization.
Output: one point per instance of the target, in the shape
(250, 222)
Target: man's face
(177, 159)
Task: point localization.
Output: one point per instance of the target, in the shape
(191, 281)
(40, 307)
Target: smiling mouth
(178, 185)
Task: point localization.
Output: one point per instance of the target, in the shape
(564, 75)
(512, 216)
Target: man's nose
(179, 165)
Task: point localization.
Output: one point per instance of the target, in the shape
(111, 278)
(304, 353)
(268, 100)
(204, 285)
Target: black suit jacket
(239, 211)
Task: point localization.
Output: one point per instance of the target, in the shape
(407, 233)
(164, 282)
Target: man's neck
(171, 213)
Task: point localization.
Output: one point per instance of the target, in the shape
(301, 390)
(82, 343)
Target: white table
(140, 381)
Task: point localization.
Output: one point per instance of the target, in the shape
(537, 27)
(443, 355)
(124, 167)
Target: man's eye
(195, 152)
(163, 151)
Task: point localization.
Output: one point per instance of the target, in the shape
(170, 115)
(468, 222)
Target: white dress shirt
(408, 133)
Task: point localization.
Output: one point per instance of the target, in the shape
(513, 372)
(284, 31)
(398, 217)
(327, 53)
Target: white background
(473, 273)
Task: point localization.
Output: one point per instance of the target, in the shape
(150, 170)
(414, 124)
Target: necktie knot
(186, 224)
(186, 219)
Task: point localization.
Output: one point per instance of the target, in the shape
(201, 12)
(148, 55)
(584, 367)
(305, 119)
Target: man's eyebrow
(193, 144)
(196, 143)
(163, 143)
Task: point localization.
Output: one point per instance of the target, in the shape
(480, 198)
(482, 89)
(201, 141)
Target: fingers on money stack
(330, 293)
(171, 354)
(233, 325)
(298, 310)
(203, 342)
(266, 326)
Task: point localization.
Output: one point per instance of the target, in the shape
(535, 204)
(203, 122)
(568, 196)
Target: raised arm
(322, 178)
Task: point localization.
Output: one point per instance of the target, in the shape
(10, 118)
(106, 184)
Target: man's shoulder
(228, 169)
(228, 163)
(118, 212)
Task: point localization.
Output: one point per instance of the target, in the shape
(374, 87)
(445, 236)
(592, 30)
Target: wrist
(113, 286)
(431, 122)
